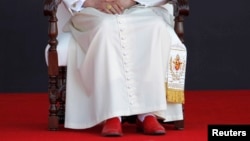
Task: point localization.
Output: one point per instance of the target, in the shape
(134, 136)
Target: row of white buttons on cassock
(125, 58)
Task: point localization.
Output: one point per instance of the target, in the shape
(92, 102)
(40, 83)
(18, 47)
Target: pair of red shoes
(150, 126)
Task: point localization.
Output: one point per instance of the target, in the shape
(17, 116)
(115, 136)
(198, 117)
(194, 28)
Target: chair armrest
(50, 7)
(183, 7)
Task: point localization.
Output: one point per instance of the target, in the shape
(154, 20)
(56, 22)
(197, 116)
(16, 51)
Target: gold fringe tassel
(175, 95)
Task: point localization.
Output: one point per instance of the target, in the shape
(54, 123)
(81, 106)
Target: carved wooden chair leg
(61, 109)
(179, 125)
(62, 94)
(53, 92)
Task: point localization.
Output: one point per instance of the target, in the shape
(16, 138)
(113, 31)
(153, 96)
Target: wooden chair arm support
(182, 10)
(50, 10)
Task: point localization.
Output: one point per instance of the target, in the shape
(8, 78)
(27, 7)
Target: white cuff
(151, 2)
(75, 5)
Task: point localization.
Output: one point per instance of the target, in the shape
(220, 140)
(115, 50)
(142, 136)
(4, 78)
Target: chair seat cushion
(64, 40)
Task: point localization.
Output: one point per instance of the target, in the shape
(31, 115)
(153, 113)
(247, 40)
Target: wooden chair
(57, 71)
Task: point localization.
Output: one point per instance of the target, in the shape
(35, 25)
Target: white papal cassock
(118, 65)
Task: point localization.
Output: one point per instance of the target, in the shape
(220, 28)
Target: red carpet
(23, 117)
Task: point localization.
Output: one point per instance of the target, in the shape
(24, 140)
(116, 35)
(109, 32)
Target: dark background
(216, 36)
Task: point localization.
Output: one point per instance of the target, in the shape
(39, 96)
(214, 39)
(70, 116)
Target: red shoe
(150, 126)
(112, 127)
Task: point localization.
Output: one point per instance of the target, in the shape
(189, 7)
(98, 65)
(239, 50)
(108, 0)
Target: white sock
(141, 117)
(120, 119)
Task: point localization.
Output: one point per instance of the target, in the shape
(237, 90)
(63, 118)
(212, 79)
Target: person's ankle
(141, 117)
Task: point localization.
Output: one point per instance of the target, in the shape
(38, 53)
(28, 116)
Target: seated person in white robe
(118, 67)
